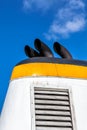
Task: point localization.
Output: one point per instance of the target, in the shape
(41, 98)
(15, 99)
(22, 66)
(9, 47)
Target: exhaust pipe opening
(30, 52)
(43, 48)
(62, 51)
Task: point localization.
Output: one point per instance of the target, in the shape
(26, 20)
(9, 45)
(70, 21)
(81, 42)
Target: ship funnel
(30, 52)
(62, 51)
(43, 48)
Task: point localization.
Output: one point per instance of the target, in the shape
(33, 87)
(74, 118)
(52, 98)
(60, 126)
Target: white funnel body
(18, 111)
(46, 96)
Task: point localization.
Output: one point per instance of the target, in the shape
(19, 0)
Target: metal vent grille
(52, 109)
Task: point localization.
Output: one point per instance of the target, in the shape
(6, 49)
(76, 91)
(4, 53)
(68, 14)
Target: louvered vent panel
(52, 109)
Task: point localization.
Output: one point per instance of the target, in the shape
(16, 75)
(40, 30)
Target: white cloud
(76, 25)
(43, 5)
(76, 4)
(27, 4)
(68, 19)
(69, 16)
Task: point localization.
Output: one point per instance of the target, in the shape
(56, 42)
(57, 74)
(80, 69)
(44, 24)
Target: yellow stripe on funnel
(49, 69)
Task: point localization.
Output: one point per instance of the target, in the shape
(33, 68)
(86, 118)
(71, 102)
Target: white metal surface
(17, 111)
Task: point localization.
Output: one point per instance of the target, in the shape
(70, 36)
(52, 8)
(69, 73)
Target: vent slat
(51, 93)
(47, 107)
(52, 112)
(52, 128)
(50, 89)
(52, 123)
(52, 102)
(40, 117)
(52, 109)
(51, 97)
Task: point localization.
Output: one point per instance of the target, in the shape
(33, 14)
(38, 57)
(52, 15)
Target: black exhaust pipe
(62, 51)
(43, 48)
(30, 52)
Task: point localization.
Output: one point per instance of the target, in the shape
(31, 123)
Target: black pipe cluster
(42, 50)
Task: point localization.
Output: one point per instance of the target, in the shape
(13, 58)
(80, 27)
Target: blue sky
(21, 21)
